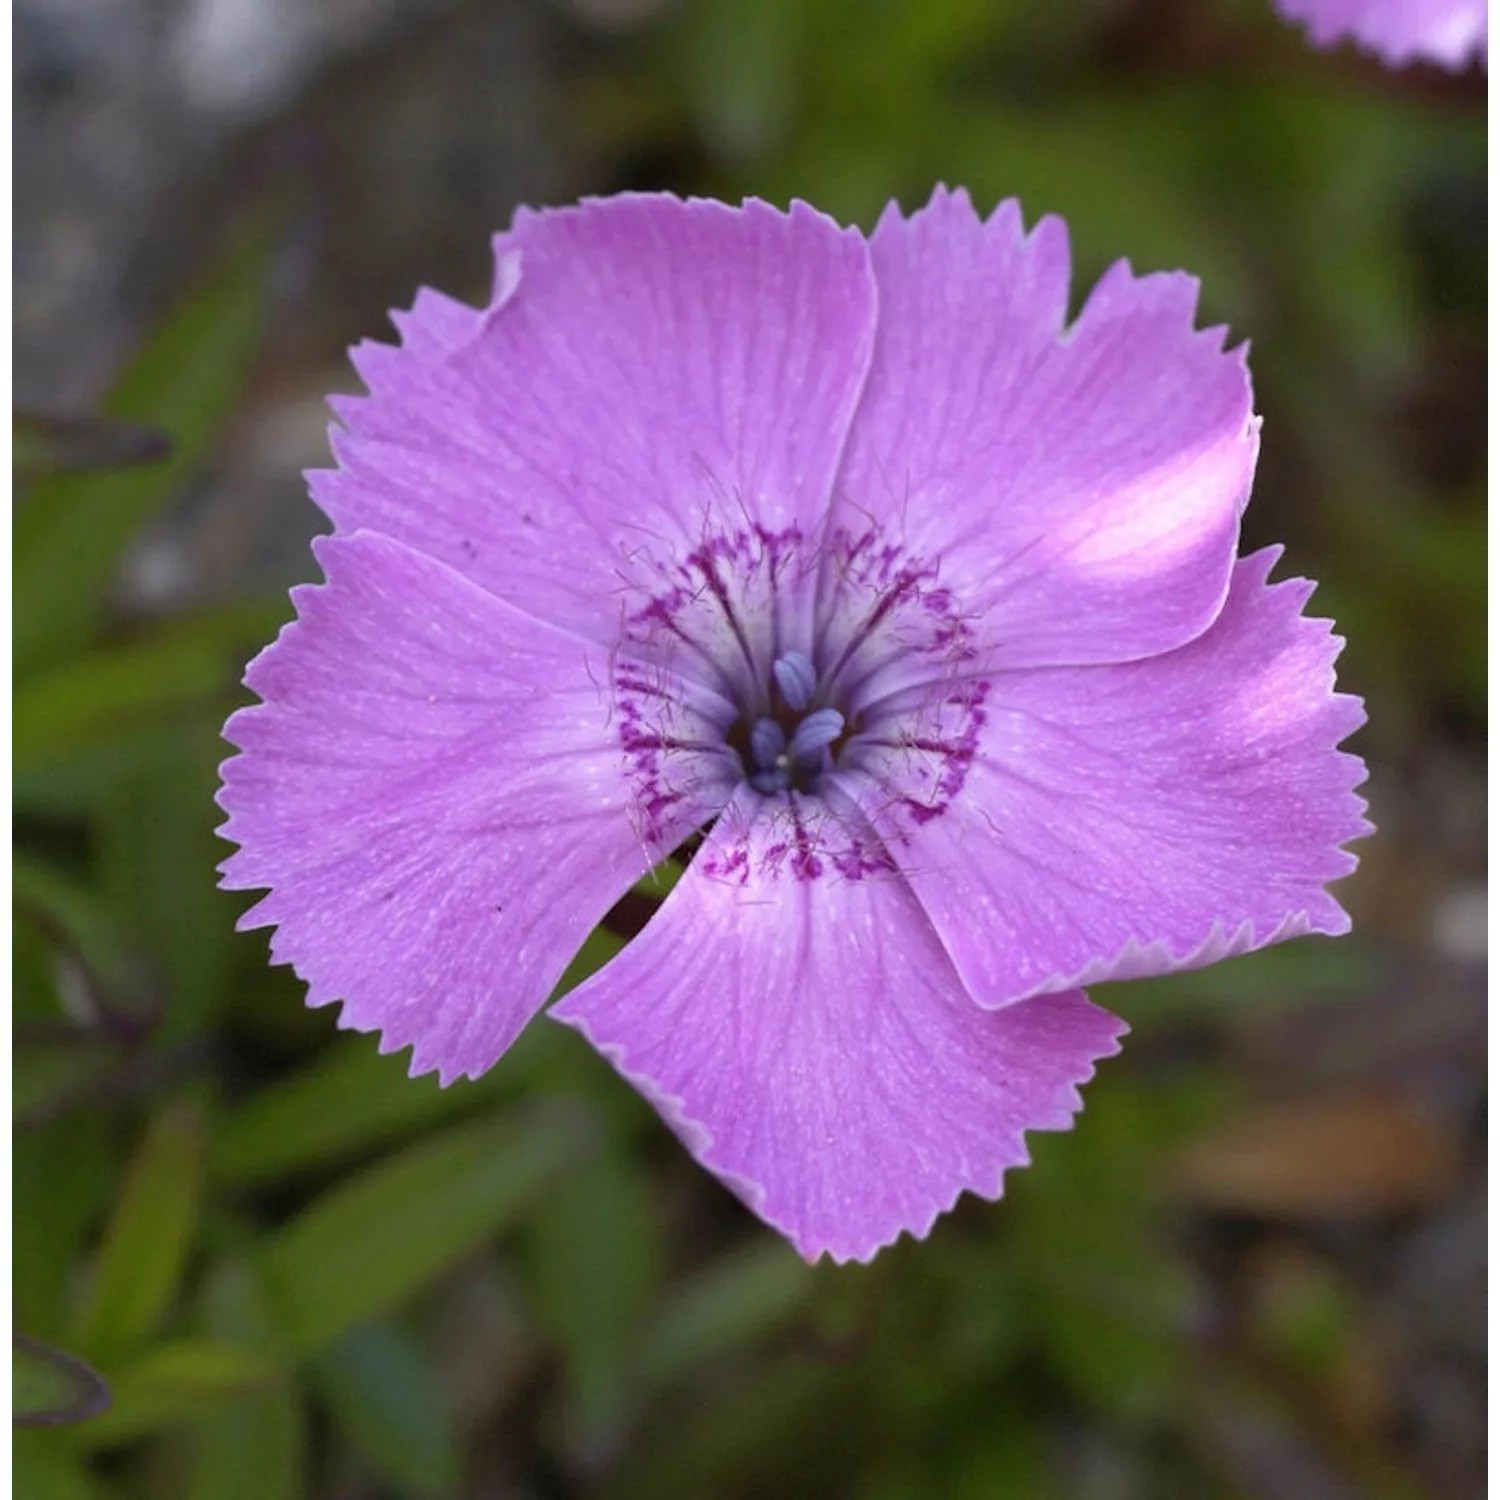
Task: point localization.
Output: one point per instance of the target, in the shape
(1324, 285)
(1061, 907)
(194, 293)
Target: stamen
(769, 782)
(797, 678)
(767, 744)
(818, 729)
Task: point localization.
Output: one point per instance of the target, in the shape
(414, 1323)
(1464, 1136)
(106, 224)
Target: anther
(767, 744)
(797, 678)
(818, 729)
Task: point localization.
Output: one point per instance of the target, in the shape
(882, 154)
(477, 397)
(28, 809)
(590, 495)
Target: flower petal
(807, 1037)
(1135, 819)
(1449, 32)
(1082, 487)
(649, 370)
(437, 798)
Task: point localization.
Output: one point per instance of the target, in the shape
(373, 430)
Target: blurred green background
(1254, 1269)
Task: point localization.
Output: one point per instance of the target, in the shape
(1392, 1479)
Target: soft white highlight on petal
(1134, 819)
(1082, 485)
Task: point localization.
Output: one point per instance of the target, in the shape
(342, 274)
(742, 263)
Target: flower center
(789, 749)
(796, 661)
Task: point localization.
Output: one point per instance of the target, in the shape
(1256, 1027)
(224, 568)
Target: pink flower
(919, 604)
(1450, 33)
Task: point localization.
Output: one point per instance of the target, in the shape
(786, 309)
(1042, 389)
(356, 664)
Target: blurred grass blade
(44, 1469)
(738, 1299)
(745, 63)
(62, 1172)
(155, 852)
(375, 1239)
(735, 1440)
(81, 924)
(70, 530)
(56, 1068)
(50, 1388)
(148, 1238)
(254, 1446)
(72, 788)
(383, 1394)
(176, 1382)
(107, 692)
(42, 444)
(350, 1099)
(597, 1259)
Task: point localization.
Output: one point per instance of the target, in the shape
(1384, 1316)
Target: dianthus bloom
(917, 602)
(1450, 33)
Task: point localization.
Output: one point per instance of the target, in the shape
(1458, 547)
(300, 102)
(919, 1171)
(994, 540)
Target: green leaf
(73, 788)
(56, 1069)
(148, 1239)
(44, 1468)
(251, 1447)
(352, 1098)
(63, 1171)
(114, 690)
(743, 64)
(50, 1388)
(1100, 165)
(69, 531)
(746, 1439)
(737, 1300)
(368, 1244)
(77, 920)
(384, 1395)
(36, 999)
(156, 854)
(595, 1264)
(1267, 980)
(1113, 1317)
(1010, 1461)
(176, 1382)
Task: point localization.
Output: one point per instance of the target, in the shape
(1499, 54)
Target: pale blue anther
(767, 744)
(771, 766)
(774, 762)
(797, 678)
(820, 728)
